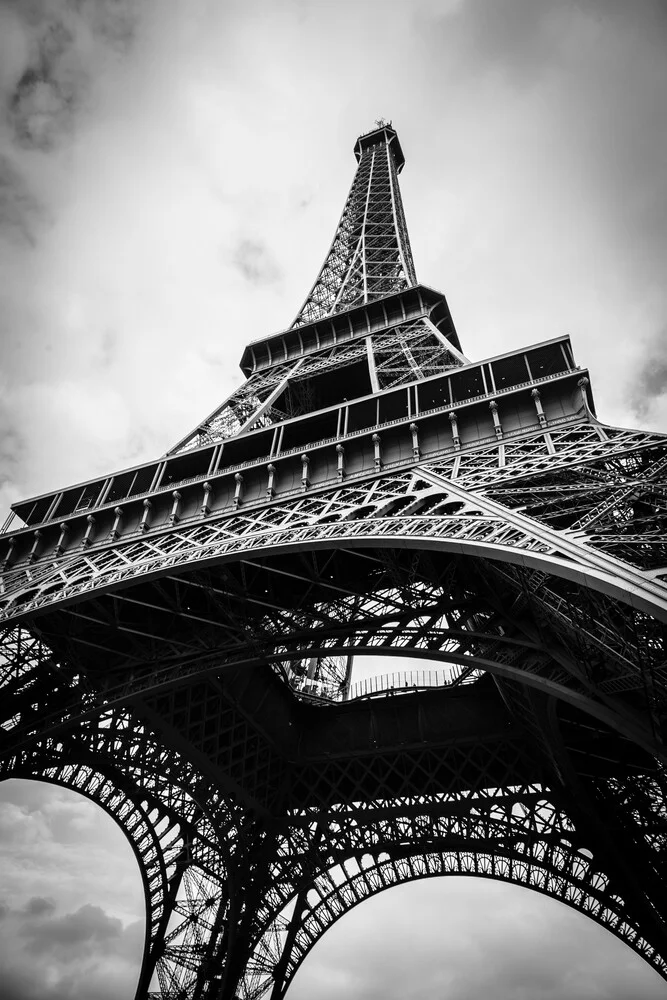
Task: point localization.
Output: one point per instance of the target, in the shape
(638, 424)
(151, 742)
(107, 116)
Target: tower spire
(370, 255)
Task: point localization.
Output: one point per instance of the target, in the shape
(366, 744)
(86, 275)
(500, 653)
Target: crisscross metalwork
(178, 640)
(370, 255)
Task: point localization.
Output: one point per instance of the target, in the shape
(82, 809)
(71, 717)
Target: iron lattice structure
(178, 637)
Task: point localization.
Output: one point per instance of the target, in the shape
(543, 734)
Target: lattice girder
(513, 833)
(309, 518)
(501, 866)
(410, 591)
(396, 354)
(370, 255)
(383, 494)
(271, 954)
(178, 826)
(425, 625)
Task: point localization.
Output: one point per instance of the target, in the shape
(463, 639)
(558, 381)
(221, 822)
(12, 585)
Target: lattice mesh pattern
(370, 255)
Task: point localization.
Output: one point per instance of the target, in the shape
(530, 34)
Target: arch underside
(554, 634)
(159, 688)
(512, 834)
(179, 829)
(480, 640)
(517, 837)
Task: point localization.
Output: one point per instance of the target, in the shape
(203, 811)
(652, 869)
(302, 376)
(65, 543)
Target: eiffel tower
(178, 638)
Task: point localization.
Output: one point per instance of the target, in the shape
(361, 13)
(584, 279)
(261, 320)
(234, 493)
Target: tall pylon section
(327, 352)
(370, 255)
(178, 638)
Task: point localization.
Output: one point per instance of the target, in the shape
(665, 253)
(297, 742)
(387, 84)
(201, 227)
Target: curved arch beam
(550, 865)
(502, 867)
(155, 856)
(178, 840)
(481, 528)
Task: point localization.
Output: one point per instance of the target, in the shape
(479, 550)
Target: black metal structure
(178, 637)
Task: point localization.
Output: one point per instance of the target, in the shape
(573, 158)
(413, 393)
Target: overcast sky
(171, 172)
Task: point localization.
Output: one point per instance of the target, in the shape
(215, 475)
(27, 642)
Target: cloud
(83, 955)
(89, 926)
(255, 262)
(54, 49)
(649, 389)
(72, 906)
(57, 845)
(81, 939)
(37, 906)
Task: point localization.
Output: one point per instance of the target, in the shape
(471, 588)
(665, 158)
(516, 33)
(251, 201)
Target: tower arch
(282, 950)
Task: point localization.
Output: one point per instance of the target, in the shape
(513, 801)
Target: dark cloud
(108, 347)
(63, 41)
(254, 261)
(31, 983)
(37, 906)
(45, 98)
(51, 52)
(650, 381)
(51, 86)
(23, 984)
(83, 955)
(67, 933)
(20, 210)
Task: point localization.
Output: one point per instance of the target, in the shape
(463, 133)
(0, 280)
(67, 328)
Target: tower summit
(178, 638)
(370, 255)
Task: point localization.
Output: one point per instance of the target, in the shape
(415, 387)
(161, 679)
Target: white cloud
(71, 904)
(42, 828)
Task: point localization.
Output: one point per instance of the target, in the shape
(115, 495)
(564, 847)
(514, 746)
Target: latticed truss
(460, 502)
(370, 256)
(178, 639)
(409, 350)
(180, 828)
(248, 407)
(470, 837)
